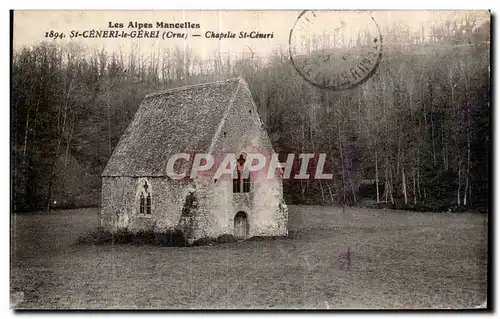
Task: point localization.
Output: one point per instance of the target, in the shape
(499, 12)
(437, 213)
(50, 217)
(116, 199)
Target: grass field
(399, 260)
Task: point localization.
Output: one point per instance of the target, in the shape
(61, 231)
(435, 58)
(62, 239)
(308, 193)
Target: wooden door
(240, 225)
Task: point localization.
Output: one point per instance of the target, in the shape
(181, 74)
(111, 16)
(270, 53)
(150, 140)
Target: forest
(416, 135)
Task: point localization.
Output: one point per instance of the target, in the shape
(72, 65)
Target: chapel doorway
(240, 225)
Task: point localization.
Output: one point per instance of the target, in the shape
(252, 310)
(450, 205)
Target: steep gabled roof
(180, 120)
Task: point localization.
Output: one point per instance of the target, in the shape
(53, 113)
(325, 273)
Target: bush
(205, 241)
(174, 238)
(262, 238)
(169, 238)
(96, 237)
(99, 236)
(143, 237)
(226, 238)
(122, 237)
(222, 239)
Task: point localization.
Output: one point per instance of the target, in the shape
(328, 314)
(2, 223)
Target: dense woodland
(417, 134)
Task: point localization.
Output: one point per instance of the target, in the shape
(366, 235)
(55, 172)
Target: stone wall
(120, 206)
(243, 131)
(214, 215)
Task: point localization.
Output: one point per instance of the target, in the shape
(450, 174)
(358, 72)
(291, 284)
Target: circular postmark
(335, 50)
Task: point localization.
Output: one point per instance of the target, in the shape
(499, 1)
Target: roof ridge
(158, 126)
(187, 87)
(224, 116)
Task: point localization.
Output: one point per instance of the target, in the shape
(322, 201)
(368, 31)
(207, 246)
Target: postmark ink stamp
(335, 50)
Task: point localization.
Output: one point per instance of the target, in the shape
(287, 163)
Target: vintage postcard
(250, 159)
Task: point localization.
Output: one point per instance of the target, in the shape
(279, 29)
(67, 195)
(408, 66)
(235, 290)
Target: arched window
(246, 184)
(141, 205)
(236, 183)
(144, 194)
(148, 204)
(240, 184)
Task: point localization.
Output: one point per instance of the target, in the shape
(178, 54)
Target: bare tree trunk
(418, 157)
(61, 134)
(342, 164)
(418, 181)
(470, 195)
(459, 184)
(353, 192)
(452, 86)
(51, 177)
(331, 152)
(433, 142)
(467, 172)
(322, 191)
(465, 191)
(404, 184)
(445, 147)
(302, 187)
(68, 143)
(330, 191)
(311, 135)
(467, 185)
(27, 168)
(398, 159)
(391, 183)
(376, 175)
(359, 112)
(414, 188)
(26, 130)
(386, 184)
(343, 169)
(109, 120)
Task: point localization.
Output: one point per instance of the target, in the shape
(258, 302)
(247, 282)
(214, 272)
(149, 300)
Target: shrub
(122, 237)
(96, 237)
(263, 238)
(204, 241)
(222, 239)
(170, 238)
(99, 236)
(143, 237)
(257, 238)
(226, 238)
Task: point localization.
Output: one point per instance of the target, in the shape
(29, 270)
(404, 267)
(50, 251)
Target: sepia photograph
(257, 159)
